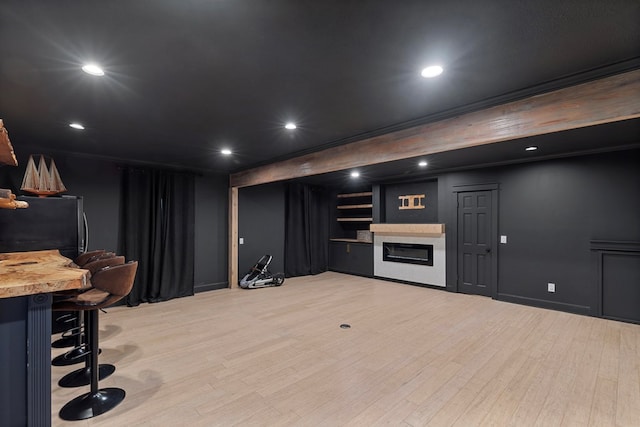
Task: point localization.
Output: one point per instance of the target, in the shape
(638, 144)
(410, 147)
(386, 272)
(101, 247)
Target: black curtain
(157, 229)
(307, 215)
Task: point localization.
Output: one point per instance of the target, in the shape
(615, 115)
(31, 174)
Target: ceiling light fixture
(76, 126)
(93, 69)
(422, 163)
(290, 126)
(226, 151)
(355, 174)
(432, 71)
(531, 148)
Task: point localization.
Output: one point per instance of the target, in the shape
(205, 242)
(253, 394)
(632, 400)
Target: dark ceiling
(187, 78)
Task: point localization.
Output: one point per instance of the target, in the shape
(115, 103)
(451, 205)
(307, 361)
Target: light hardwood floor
(412, 357)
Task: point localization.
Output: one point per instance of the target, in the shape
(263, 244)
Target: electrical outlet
(242, 241)
(503, 239)
(551, 287)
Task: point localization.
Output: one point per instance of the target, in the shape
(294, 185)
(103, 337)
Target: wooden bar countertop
(37, 272)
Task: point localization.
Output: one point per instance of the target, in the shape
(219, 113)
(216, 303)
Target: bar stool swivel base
(111, 284)
(92, 404)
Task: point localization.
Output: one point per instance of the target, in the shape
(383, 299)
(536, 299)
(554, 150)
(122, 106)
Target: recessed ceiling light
(290, 126)
(531, 148)
(93, 69)
(432, 71)
(355, 174)
(226, 151)
(76, 126)
(422, 163)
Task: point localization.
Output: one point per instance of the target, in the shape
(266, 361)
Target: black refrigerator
(48, 223)
(25, 322)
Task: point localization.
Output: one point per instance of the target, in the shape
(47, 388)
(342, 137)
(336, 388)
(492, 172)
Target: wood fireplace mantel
(408, 229)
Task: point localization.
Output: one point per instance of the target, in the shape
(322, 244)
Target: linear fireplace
(394, 258)
(409, 253)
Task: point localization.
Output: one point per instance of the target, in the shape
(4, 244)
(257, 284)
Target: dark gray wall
(411, 216)
(212, 236)
(261, 225)
(98, 182)
(550, 211)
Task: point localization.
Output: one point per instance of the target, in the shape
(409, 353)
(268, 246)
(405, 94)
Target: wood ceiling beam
(607, 100)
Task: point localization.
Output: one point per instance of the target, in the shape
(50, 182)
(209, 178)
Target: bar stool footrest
(64, 342)
(81, 377)
(71, 357)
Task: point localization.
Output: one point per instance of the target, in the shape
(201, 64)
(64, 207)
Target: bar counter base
(25, 341)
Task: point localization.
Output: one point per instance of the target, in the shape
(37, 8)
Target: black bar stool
(69, 323)
(78, 353)
(82, 376)
(109, 285)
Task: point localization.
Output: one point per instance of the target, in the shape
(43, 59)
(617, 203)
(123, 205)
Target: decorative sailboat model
(42, 180)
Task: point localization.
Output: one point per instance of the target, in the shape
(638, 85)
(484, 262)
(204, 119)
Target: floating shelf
(354, 219)
(365, 206)
(350, 195)
(408, 229)
(349, 240)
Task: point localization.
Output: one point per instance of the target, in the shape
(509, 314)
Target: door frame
(452, 234)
